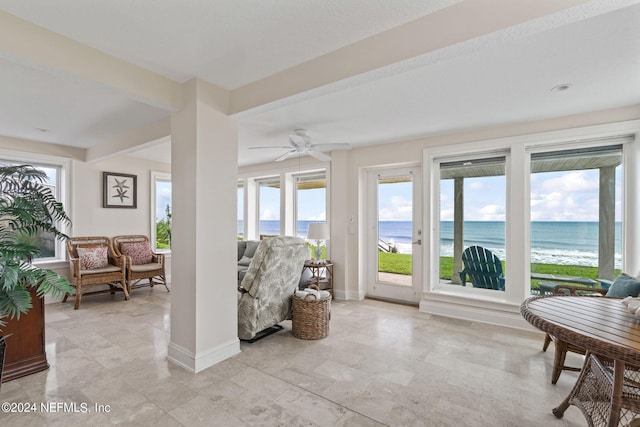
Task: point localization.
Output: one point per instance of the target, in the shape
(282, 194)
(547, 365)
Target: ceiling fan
(300, 143)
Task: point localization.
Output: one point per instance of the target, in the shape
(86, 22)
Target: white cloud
(571, 182)
(320, 217)
(446, 214)
(476, 185)
(398, 209)
(568, 196)
(267, 215)
(487, 213)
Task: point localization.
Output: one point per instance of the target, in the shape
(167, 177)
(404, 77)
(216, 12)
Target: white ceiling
(496, 78)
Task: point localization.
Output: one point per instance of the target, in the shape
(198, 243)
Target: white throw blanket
(319, 295)
(633, 305)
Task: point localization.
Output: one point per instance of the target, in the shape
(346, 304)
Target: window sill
(51, 264)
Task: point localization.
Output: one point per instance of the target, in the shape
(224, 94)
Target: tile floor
(381, 365)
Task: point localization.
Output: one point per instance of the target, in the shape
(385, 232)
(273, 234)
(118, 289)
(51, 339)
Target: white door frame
(374, 286)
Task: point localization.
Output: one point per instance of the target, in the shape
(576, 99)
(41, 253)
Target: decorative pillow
(140, 252)
(624, 286)
(250, 250)
(241, 247)
(244, 261)
(93, 257)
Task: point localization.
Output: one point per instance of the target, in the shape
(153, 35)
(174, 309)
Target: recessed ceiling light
(561, 88)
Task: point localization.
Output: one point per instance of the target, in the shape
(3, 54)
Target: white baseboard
(348, 295)
(195, 363)
(476, 313)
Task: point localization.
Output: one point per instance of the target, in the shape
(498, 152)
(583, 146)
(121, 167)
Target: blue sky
(555, 196)
(311, 204)
(163, 198)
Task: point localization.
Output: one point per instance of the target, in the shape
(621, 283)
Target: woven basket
(310, 317)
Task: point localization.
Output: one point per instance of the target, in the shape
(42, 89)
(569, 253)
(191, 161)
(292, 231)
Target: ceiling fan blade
(270, 146)
(285, 155)
(331, 147)
(318, 155)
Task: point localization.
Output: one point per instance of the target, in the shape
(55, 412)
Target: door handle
(417, 242)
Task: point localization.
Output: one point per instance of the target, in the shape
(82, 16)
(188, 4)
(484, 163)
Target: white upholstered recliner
(273, 276)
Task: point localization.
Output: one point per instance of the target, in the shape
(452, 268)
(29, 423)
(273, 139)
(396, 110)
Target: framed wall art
(119, 190)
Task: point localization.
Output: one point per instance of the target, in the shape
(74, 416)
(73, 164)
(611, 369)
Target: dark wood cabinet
(25, 353)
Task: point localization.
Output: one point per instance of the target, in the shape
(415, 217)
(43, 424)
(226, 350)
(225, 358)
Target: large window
(472, 221)
(240, 210)
(553, 208)
(50, 248)
(281, 204)
(576, 214)
(269, 206)
(311, 201)
(161, 210)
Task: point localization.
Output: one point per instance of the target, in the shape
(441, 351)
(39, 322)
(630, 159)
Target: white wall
(85, 203)
(90, 218)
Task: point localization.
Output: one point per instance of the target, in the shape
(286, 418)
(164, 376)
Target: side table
(321, 274)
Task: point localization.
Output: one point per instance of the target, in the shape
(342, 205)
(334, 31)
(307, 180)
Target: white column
(251, 214)
(518, 238)
(631, 230)
(458, 228)
(607, 223)
(204, 163)
(342, 211)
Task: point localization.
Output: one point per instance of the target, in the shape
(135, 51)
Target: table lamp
(318, 231)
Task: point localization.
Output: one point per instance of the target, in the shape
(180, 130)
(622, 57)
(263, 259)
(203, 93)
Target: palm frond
(14, 302)
(52, 284)
(27, 207)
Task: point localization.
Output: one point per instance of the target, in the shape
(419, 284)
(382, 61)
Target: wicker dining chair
(143, 264)
(562, 347)
(92, 261)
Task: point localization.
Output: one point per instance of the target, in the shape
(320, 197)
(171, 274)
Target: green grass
(401, 264)
(394, 263)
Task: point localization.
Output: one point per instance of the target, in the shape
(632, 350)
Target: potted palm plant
(27, 208)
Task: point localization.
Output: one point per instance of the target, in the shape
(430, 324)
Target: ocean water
(566, 243)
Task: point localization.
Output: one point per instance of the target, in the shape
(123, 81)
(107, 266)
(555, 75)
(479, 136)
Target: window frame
(296, 178)
(251, 185)
(63, 194)
(155, 177)
(518, 208)
(501, 157)
(265, 181)
(463, 157)
(241, 186)
(619, 141)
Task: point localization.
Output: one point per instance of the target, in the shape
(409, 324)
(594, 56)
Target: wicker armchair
(92, 261)
(562, 347)
(142, 262)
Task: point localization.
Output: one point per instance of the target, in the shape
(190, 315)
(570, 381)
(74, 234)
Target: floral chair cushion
(140, 252)
(93, 257)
